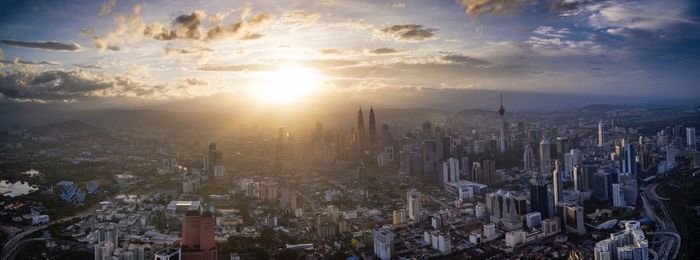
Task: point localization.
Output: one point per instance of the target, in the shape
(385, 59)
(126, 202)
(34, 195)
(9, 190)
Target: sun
(288, 85)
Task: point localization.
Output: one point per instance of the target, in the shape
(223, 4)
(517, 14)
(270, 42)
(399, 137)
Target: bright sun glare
(288, 84)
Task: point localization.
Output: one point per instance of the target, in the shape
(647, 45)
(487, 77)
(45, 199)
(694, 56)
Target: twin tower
(364, 140)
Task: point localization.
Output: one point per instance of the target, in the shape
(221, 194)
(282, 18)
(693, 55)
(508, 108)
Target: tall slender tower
(502, 137)
(545, 161)
(372, 128)
(557, 183)
(361, 136)
(528, 158)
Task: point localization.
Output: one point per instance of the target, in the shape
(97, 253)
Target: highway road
(666, 231)
(11, 245)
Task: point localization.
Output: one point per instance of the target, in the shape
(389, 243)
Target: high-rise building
(579, 178)
(528, 158)
(398, 217)
(601, 186)
(602, 134)
(557, 184)
(413, 204)
(574, 219)
(545, 161)
(488, 172)
(539, 197)
(361, 135)
(450, 170)
(198, 241)
(618, 195)
(629, 243)
(571, 159)
(690, 138)
(476, 172)
(372, 129)
(502, 138)
(628, 164)
(384, 243)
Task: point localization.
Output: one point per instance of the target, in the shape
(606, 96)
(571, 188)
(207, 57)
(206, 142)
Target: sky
(147, 51)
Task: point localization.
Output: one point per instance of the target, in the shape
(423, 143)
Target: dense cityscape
(476, 184)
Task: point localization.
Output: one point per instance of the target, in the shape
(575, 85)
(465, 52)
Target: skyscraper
(545, 161)
(691, 140)
(502, 137)
(450, 170)
(372, 129)
(539, 197)
(198, 236)
(628, 163)
(557, 182)
(488, 172)
(579, 178)
(574, 219)
(618, 195)
(413, 204)
(602, 134)
(528, 159)
(361, 135)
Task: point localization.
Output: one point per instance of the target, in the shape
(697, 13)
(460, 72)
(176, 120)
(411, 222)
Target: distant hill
(602, 107)
(473, 112)
(70, 127)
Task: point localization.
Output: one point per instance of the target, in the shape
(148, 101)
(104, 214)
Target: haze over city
(336, 129)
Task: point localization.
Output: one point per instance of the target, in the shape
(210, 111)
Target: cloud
(399, 5)
(477, 8)
(549, 31)
(252, 36)
(299, 18)
(462, 59)
(650, 16)
(29, 62)
(89, 66)
(169, 49)
(548, 40)
(50, 45)
(107, 7)
(74, 84)
(186, 26)
(330, 51)
(384, 50)
(408, 32)
(220, 32)
(194, 82)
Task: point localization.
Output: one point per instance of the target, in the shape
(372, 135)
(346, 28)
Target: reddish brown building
(198, 241)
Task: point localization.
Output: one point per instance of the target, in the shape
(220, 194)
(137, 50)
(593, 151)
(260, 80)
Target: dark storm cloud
(190, 24)
(462, 59)
(61, 85)
(50, 45)
(385, 50)
(409, 32)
